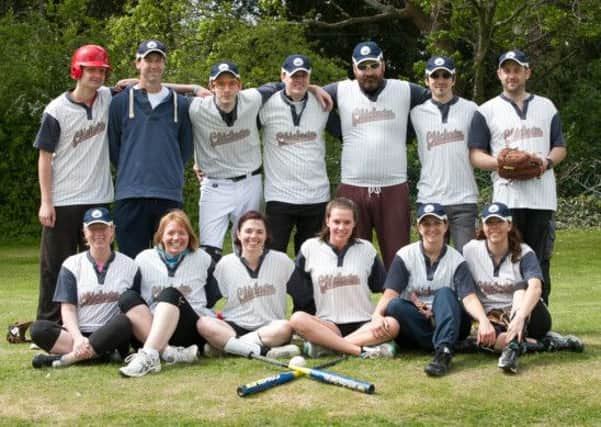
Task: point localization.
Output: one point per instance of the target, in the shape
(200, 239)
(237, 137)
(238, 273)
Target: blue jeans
(451, 322)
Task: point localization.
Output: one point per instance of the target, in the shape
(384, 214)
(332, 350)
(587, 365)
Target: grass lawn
(551, 389)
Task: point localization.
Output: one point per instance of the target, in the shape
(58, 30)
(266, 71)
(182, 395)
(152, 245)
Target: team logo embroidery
(365, 50)
(298, 62)
(96, 214)
(223, 67)
(429, 208)
(151, 45)
(438, 61)
(493, 209)
(510, 54)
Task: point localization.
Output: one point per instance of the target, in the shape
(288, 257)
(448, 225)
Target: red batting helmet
(89, 55)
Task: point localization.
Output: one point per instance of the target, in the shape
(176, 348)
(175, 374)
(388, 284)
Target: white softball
(297, 361)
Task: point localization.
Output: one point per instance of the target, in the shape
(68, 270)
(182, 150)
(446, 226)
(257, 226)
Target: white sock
(241, 348)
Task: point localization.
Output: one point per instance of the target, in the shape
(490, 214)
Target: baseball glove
(16, 332)
(499, 317)
(519, 165)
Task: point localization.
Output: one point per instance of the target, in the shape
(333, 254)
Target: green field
(551, 389)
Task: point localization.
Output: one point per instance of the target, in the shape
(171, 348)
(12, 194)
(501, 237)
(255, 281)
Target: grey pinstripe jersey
(496, 285)
(294, 155)
(97, 294)
(189, 278)
(446, 175)
(340, 283)
(532, 133)
(254, 298)
(374, 151)
(224, 151)
(77, 137)
(418, 282)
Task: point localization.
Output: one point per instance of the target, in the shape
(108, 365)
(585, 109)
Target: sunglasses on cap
(439, 74)
(371, 66)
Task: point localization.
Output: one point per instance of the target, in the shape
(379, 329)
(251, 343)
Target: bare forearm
(386, 297)
(472, 305)
(70, 320)
(45, 176)
(482, 160)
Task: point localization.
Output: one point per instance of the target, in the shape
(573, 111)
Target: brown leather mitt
(519, 165)
(16, 332)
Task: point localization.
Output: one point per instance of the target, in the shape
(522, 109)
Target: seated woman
(254, 284)
(333, 308)
(88, 289)
(509, 281)
(433, 280)
(177, 287)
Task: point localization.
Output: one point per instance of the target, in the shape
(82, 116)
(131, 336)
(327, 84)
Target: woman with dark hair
(509, 280)
(88, 289)
(254, 282)
(333, 308)
(177, 289)
(431, 291)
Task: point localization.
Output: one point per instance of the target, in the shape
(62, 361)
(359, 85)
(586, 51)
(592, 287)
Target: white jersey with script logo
(80, 163)
(529, 133)
(294, 156)
(224, 151)
(340, 281)
(446, 174)
(374, 151)
(254, 299)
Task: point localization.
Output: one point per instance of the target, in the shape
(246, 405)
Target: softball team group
(157, 296)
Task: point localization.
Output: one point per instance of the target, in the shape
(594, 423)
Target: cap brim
(440, 68)
(440, 217)
(368, 58)
(501, 217)
(222, 72)
(148, 52)
(97, 221)
(296, 70)
(523, 64)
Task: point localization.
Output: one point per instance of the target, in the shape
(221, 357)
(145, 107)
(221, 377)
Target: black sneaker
(509, 358)
(557, 342)
(441, 362)
(44, 360)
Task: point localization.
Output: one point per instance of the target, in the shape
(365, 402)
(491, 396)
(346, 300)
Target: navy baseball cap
(224, 67)
(496, 210)
(440, 63)
(431, 209)
(367, 51)
(150, 46)
(515, 55)
(295, 63)
(97, 216)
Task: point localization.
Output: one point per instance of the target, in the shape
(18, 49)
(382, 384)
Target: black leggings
(186, 332)
(114, 335)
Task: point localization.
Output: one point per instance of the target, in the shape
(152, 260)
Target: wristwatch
(549, 163)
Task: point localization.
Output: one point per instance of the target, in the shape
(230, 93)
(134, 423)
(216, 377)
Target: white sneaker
(315, 351)
(283, 351)
(141, 363)
(386, 350)
(210, 351)
(180, 354)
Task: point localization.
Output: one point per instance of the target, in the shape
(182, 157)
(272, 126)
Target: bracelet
(550, 163)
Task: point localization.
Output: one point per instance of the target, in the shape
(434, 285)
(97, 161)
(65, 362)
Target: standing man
(73, 167)
(297, 188)
(150, 142)
(441, 126)
(374, 113)
(518, 119)
(227, 149)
